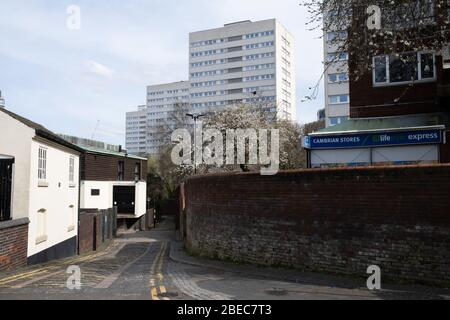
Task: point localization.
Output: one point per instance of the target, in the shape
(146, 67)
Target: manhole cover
(277, 292)
(168, 295)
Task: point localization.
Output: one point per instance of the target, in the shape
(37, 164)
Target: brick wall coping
(14, 223)
(324, 170)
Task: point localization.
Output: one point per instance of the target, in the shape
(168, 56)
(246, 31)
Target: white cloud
(99, 69)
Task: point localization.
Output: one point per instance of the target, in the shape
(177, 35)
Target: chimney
(120, 148)
(2, 101)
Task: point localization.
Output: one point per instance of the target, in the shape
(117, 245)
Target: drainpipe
(79, 204)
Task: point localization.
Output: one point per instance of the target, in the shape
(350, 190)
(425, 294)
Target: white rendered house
(110, 177)
(40, 187)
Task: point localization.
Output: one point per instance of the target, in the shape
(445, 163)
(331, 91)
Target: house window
(95, 192)
(41, 226)
(42, 164)
(73, 218)
(120, 170)
(339, 99)
(404, 68)
(137, 171)
(72, 169)
(6, 173)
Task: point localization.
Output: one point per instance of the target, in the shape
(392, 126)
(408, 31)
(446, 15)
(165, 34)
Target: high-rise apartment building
(144, 126)
(136, 130)
(242, 62)
(337, 90)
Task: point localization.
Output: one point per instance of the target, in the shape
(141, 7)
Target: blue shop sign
(374, 139)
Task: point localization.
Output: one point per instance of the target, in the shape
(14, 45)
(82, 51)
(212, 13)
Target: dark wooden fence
(97, 229)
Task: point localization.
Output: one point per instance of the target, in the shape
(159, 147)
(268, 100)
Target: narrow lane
(138, 267)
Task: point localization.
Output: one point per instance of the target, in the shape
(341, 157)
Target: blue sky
(68, 80)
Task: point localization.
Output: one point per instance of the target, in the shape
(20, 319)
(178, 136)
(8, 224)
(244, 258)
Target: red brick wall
(339, 220)
(13, 244)
(96, 167)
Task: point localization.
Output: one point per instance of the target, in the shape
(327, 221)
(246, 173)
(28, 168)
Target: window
(137, 171)
(259, 34)
(260, 45)
(257, 78)
(72, 218)
(286, 73)
(42, 164)
(285, 41)
(334, 36)
(337, 77)
(404, 68)
(41, 226)
(339, 99)
(334, 56)
(380, 69)
(337, 120)
(120, 171)
(72, 169)
(6, 174)
(95, 192)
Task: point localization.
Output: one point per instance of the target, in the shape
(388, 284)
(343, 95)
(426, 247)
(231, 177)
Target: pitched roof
(41, 130)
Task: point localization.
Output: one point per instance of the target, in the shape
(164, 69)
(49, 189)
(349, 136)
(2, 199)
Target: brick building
(399, 112)
(110, 177)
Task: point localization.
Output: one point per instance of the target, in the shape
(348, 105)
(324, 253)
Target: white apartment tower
(242, 62)
(136, 131)
(143, 132)
(337, 90)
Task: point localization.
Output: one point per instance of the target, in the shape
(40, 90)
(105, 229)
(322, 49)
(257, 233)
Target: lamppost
(195, 117)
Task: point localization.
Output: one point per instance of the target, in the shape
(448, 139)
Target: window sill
(43, 184)
(70, 228)
(403, 83)
(41, 239)
(339, 82)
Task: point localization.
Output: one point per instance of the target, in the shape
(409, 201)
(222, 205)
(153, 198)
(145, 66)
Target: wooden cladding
(99, 167)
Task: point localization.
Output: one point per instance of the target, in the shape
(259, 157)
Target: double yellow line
(48, 269)
(156, 272)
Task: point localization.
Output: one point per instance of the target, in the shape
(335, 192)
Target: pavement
(153, 266)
